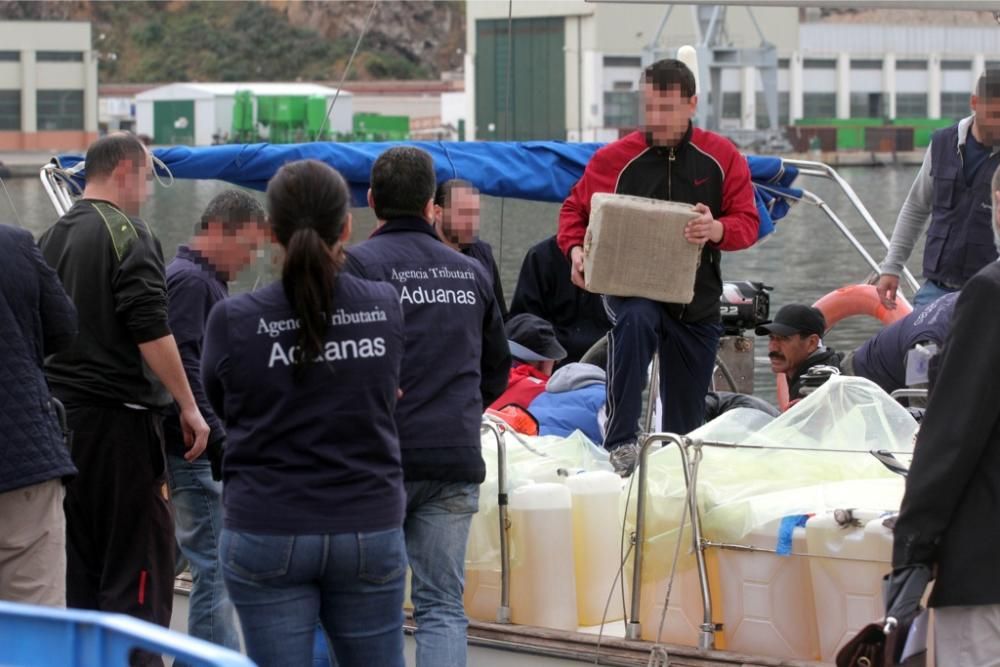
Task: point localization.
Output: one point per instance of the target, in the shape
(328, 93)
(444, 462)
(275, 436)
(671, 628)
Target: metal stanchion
(503, 611)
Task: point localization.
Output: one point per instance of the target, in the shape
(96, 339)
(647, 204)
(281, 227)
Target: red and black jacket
(704, 168)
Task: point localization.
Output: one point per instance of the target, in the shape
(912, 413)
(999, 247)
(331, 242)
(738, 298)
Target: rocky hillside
(276, 40)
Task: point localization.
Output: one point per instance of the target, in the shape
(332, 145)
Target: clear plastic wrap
(742, 489)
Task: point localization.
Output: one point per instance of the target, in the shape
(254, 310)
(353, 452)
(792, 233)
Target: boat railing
(691, 455)
(497, 428)
(823, 170)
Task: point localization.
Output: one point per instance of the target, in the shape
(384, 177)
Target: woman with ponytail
(305, 373)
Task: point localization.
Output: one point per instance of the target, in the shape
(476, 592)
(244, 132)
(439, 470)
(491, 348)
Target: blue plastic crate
(32, 636)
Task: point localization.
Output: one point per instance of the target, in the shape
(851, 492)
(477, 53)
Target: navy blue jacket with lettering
(882, 358)
(317, 453)
(37, 319)
(457, 358)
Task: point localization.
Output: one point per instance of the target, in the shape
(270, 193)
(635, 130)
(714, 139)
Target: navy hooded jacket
(456, 358)
(37, 318)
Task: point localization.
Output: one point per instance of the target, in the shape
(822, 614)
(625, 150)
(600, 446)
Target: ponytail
(308, 277)
(308, 204)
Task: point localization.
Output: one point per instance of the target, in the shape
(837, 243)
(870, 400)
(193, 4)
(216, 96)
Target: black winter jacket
(36, 319)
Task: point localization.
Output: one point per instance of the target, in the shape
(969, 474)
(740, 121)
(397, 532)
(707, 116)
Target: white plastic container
(543, 585)
(597, 531)
(847, 589)
(684, 614)
(767, 599)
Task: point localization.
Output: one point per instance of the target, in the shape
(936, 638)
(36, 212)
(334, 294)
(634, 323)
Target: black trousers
(119, 526)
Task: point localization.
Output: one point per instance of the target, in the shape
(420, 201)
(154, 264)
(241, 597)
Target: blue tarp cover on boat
(533, 170)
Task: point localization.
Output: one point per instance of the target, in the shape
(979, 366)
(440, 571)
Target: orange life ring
(847, 302)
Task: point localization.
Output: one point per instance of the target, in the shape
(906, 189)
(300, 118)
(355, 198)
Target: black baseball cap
(533, 339)
(795, 318)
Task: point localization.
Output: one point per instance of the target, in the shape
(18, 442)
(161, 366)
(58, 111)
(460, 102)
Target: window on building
(762, 119)
(957, 65)
(867, 105)
(911, 105)
(59, 56)
(784, 63)
(10, 109)
(866, 64)
(732, 105)
(10, 56)
(819, 63)
(60, 109)
(955, 105)
(621, 108)
(914, 65)
(622, 61)
(819, 105)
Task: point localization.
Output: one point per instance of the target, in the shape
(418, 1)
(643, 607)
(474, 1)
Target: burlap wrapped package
(635, 246)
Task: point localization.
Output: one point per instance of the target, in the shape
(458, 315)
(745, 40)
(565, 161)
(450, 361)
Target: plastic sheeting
(740, 490)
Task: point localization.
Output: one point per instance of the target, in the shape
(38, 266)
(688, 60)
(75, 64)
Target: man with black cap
(796, 345)
(535, 351)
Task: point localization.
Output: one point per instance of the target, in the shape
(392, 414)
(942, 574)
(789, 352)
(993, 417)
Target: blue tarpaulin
(532, 170)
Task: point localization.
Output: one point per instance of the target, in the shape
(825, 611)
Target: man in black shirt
(120, 372)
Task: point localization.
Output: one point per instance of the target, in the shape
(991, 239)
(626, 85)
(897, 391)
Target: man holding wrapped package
(670, 160)
(948, 519)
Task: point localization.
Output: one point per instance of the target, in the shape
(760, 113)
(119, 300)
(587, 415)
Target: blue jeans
(351, 583)
(929, 292)
(438, 517)
(197, 500)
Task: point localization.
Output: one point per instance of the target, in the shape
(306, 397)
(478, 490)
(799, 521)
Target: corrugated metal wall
(538, 81)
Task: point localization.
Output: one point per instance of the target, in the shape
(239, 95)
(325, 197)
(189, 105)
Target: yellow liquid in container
(543, 586)
(597, 531)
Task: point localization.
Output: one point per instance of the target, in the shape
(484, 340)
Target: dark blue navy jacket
(193, 287)
(37, 318)
(960, 238)
(882, 358)
(482, 251)
(457, 358)
(316, 453)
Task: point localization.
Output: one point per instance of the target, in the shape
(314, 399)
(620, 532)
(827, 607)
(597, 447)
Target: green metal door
(173, 122)
(538, 79)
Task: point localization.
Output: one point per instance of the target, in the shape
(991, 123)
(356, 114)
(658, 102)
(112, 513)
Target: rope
(347, 68)
(17, 216)
(619, 576)
(506, 103)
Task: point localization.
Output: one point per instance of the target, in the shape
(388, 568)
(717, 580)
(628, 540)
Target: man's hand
(195, 432)
(576, 270)
(886, 288)
(704, 228)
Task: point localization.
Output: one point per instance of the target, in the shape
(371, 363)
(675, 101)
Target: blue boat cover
(532, 170)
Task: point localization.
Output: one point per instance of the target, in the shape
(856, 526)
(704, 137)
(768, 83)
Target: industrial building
(575, 66)
(48, 86)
